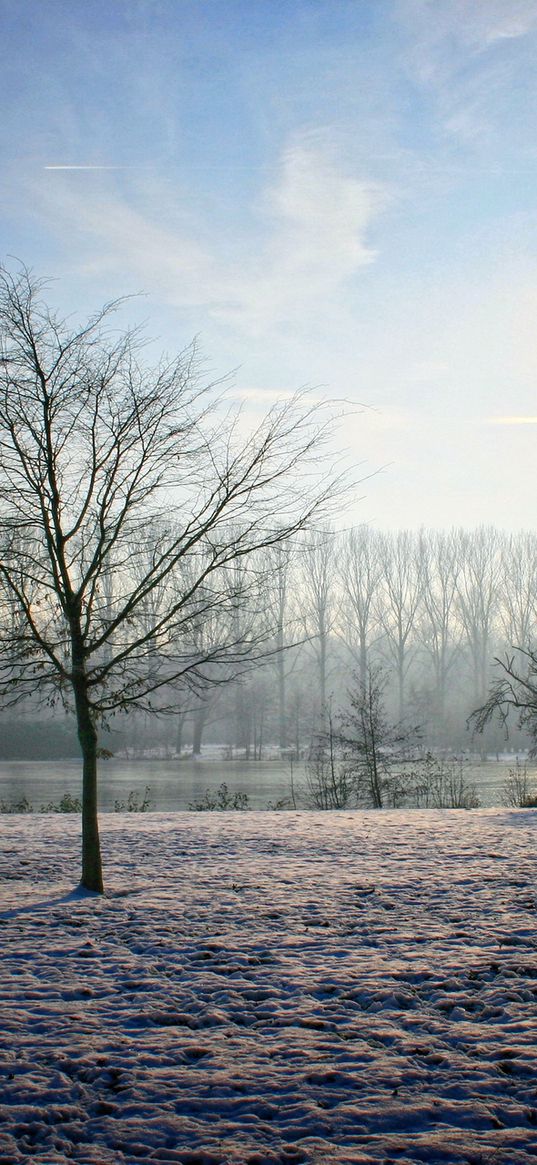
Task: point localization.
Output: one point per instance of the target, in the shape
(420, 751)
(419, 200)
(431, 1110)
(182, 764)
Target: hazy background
(332, 192)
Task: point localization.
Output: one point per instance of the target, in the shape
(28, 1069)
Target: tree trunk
(322, 677)
(243, 719)
(179, 733)
(92, 870)
(401, 684)
(199, 724)
(260, 734)
(282, 711)
(363, 658)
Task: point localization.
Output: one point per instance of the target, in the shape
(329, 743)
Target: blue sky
(339, 193)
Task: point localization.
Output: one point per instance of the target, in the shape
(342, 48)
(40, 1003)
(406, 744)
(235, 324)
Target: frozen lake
(174, 783)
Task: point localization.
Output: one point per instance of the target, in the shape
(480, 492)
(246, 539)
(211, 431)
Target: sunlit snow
(271, 988)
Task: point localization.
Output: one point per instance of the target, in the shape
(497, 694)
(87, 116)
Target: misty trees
(431, 607)
(518, 588)
(400, 604)
(120, 484)
(279, 564)
(362, 572)
(318, 582)
(514, 686)
(439, 566)
(478, 593)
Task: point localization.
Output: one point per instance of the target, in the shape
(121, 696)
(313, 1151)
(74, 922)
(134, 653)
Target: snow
(271, 988)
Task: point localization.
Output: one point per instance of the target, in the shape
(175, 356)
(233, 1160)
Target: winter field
(271, 988)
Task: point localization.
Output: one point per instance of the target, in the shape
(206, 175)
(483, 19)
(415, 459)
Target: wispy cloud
(454, 50)
(494, 20)
(440, 31)
(308, 236)
(317, 223)
(129, 233)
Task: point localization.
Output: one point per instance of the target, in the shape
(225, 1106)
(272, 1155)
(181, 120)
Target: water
(176, 784)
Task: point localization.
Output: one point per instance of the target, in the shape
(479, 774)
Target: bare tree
(518, 587)
(318, 581)
(374, 749)
(361, 577)
(245, 580)
(329, 782)
(519, 790)
(439, 566)
(280, 602)
(515, 687)
(478, 595)
(99, 456)
(399, 604)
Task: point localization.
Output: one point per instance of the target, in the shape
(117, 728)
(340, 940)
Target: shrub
(67, 804)
(22, 806)
(133, 803)
(434, 784)
(519, 790)
(220, 799)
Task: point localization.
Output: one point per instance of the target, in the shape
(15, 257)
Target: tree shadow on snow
(77, 895)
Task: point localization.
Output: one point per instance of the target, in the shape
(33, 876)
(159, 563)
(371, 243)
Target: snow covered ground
(271, 988)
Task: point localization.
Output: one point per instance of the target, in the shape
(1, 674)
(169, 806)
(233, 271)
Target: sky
(332, 193)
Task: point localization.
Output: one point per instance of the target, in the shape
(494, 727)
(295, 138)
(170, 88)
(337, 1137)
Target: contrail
(86, 167)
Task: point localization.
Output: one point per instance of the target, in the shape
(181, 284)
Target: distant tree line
(430, 610)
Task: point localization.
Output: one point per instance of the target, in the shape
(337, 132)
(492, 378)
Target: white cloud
(308, 239)
(322, 215)
(318, 219)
